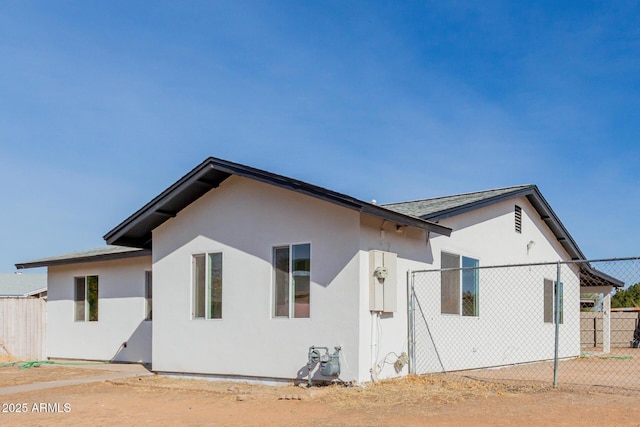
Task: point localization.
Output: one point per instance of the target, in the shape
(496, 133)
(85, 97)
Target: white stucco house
(235, 272)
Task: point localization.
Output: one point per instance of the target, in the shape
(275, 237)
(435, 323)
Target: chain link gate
(524, 323)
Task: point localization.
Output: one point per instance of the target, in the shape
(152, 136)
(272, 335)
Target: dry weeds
(407, 390)
(7, 358)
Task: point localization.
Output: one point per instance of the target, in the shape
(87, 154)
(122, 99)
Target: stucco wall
(390, 337)
(511, 300)
(244, 220)
(121, 312)
(510, 323)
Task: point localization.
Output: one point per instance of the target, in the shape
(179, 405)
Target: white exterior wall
(413, 253)
(496, 336)
(510, 327)
(121, 312)
(244, 220)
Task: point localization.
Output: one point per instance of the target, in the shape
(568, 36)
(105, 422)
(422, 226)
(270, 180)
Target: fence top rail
(533, 264)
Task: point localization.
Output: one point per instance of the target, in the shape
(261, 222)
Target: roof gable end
(444, 207)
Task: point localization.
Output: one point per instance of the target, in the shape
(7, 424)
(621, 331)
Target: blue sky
(105, 104)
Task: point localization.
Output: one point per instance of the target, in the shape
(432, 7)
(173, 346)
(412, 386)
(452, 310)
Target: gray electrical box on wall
(382, 281)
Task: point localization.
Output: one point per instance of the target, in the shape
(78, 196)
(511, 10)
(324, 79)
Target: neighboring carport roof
(105, 253)
(589, 276)
(136, 230)
(443, 207)
(22, 285)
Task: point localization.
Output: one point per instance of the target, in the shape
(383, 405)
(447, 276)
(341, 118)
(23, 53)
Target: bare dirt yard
(442, 400)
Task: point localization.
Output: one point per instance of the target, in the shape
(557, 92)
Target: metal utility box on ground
(383, 273)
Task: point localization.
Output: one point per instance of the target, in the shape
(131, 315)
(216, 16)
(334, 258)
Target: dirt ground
(618, 371)
(413, 401)
(16, 376)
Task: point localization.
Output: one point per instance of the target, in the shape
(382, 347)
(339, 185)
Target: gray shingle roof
(438, 207)
(444, 207)
(98, 254)
(19, 285)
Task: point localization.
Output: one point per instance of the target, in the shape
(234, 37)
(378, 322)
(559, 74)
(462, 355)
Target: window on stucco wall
(148, 295)
(86, 298)
(292, 281)
(459, 287)
(207, 286)
(549, 302)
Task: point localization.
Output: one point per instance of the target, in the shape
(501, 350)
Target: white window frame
(460, 296)
(87, 308)
(291, 286)
(207, 290)
(148, 295)
(552, 309)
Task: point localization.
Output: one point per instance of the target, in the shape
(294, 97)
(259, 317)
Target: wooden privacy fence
(622, 326)
(23, 327)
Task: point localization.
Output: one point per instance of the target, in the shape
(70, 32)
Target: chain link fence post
(557, 325)
(411, 339)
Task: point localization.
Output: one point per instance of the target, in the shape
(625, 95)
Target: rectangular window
(86, 298)
(470, 287)
(148, 295)
(549, 300)
(459, 287)
(292, 281)
(207, 286)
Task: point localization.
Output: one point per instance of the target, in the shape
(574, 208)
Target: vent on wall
(518, 217)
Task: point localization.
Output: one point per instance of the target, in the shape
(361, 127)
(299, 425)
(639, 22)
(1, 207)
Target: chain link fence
(546, 323)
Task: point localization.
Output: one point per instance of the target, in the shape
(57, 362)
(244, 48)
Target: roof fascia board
(334, 197)
(84, 259)
(327, 195)
(155, 204)
(617, 283)
(405, 219)
(231, 168)
(547, 211)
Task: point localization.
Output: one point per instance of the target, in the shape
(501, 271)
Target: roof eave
(406, 220)
(114, 236)
(549, 216)
(83, 259)
(616, 283)
(119, 235)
